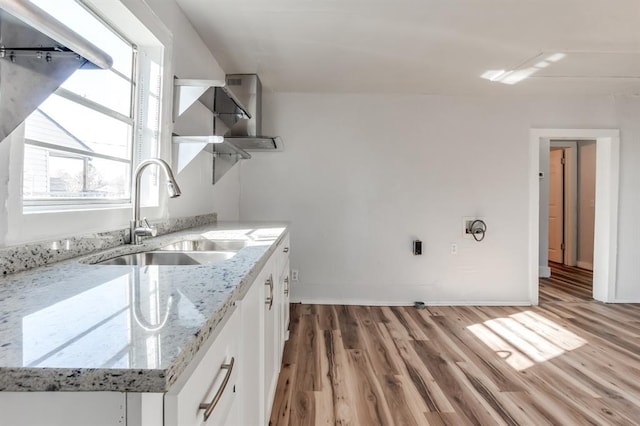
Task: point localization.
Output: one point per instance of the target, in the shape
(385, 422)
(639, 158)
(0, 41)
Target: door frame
(606, 206)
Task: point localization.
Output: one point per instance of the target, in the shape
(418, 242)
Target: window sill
(43, 209)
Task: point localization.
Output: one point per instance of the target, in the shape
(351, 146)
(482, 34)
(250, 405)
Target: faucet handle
(152, 231)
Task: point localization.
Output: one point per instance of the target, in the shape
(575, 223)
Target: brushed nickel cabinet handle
(269, 300)
(208, 407)
(286, 250)
(286, 285)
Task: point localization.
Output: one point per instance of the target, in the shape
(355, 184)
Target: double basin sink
(197, 251)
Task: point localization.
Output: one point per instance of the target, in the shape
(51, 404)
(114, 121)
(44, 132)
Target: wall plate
(466, 224)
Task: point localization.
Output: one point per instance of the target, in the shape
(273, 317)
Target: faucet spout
(137, 229)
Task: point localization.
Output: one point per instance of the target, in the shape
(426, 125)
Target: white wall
(192, 59)
(188, 58)
(586, 202)
(628, 271)
(363, 175)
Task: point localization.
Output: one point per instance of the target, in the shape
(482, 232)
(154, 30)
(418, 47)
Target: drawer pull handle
(269, 300)
(286, 285)
(286, 250)
(210, 406)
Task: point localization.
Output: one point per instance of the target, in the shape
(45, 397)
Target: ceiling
(426, 46)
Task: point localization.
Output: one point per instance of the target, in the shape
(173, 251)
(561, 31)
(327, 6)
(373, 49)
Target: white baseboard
(481, 303)
(544, 271)
(625, 301)
(427, 303)
(358, 302)
(585, 265)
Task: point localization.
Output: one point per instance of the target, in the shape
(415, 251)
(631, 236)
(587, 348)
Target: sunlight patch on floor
(526, 338)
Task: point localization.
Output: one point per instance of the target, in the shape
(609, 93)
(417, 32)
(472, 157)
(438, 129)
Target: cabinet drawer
(62, 408)
(207, 396)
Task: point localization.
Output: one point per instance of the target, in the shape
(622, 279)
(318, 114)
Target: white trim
(606, 223)
(481, 303)
(605, 241)
(382, 303)
(357, 302)
(95, 106)
(534, 215)
(544, 272)
(625, 301)
(82, 152)
(585, 265)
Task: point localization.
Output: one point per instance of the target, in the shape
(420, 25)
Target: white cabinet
(62, 408)
(251, 358)
(235, 373)
(285, 284)
(206, 393)
(271, 349)
(262, 338)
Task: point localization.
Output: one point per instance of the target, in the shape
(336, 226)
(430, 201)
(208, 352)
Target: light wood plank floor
(569, 361)
(566, 284)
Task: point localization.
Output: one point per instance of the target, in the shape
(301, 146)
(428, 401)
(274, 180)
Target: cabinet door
(271, 344)
(284, 304)
(208, 393)
(284, 284)
(252, 338)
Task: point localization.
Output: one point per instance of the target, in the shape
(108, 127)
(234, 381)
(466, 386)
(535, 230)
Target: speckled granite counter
(75, 326)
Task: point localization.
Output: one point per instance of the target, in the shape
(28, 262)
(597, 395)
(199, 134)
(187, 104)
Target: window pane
(88, 26)
(109, 178)
(103, 87)
(92, 130)
(57, 175)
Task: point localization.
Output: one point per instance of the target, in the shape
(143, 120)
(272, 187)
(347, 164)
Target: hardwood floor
(569, 361)
(566, 284)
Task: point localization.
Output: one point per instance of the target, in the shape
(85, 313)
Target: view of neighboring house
(50, 173)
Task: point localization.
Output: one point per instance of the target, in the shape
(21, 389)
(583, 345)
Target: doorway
(571, 214)
(607, 145)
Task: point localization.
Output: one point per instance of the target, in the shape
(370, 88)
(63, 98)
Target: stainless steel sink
(203, 244)
(170, 258)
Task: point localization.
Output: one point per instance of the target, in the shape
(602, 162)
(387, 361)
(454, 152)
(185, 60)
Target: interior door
(556, 205)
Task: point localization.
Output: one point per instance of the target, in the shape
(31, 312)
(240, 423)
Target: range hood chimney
(37, 54)
(245, 134)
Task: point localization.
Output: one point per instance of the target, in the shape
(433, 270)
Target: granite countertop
(76, 326)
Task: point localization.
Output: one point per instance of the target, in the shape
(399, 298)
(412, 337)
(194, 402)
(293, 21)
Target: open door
(556, 205)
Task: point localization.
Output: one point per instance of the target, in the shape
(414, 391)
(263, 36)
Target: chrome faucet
(137, 229)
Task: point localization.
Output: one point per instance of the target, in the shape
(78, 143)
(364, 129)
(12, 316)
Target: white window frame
(140, 23)
(138, 143)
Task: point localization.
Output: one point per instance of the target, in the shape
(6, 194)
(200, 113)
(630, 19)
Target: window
(80, 144)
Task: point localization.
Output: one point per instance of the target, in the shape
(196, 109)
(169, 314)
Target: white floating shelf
(188, 91)
(198, 139)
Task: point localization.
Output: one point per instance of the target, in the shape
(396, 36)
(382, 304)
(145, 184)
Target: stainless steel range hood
(245, 134)
(37, 54)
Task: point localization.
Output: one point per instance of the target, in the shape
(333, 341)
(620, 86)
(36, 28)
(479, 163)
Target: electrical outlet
(454, 248)
(294, 275)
